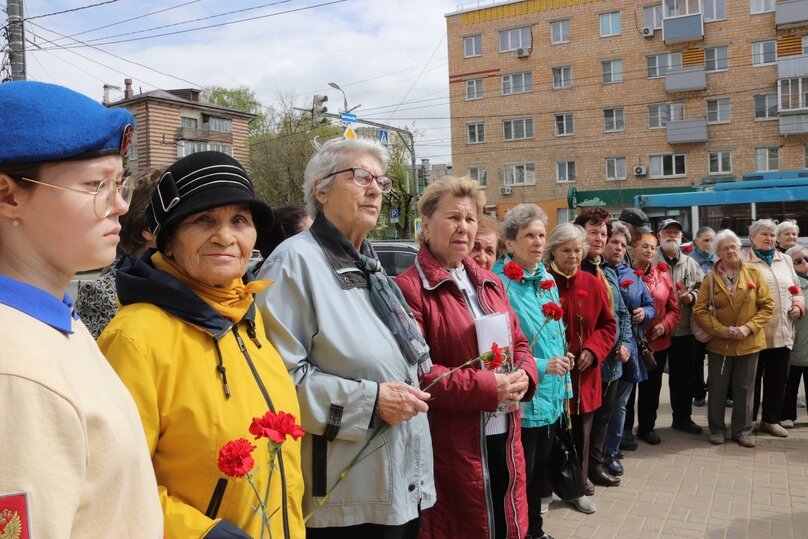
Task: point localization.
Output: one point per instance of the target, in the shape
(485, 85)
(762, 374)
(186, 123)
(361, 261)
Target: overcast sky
(388, 55)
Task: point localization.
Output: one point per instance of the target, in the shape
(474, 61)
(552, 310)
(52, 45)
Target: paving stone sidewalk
(687, 488)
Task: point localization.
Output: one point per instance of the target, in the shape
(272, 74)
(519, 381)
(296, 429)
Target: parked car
(395, 255)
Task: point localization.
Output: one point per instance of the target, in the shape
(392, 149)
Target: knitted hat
(198, 182)
(45, 122)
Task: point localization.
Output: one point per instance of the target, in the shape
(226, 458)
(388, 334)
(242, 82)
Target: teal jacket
(546, 339)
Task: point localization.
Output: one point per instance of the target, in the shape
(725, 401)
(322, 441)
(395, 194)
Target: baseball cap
(665, 223)
(636, 218)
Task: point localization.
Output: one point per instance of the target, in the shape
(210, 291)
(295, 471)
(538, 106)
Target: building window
(189, 123)
(660, 114)
(220, 125)
(718, 110)
(517, 83)
(793, 93)
(653, 16)
(719, 162)
(565, 171)
(188, 147)
(476, 131)
(805, 157)
(677, 8)
(472, 46)
(761, 6)
(715, 10)
(613, 120)
(474, 89)
(805, 44)
(133, 152)
(765, 106)
(764, 53)
(615, 168)
(610, 24)
(667, 165)
(562, 77)
(560, 32)
(520, 174)
(612, 71)
(478, 174)
(659, 64)
(563, 124)
(517, 129)
(716, 59)
(219, 147)
(767, 159)
(516, 38)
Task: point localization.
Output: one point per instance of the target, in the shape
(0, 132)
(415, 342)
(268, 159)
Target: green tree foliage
(402, 198)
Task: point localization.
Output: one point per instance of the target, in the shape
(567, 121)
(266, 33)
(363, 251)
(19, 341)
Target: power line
(419, 75)
(71, 10)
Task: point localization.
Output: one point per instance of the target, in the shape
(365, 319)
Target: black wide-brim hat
(199, 182)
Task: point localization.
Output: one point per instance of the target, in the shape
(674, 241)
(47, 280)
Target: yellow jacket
(750, 306)
(170, 367)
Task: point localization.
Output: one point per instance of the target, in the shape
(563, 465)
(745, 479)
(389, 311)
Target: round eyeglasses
(362, 178)
(103, 196)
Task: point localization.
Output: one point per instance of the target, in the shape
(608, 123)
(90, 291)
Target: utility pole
(16, 39)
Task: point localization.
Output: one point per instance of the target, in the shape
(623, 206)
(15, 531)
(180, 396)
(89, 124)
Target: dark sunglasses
(801, 260)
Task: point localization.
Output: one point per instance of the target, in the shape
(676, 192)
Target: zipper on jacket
(216, 498)
(268, 400)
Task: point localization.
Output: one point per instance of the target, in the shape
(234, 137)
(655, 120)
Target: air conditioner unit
(522, 52)
(640, 171)
(647, 32)
(505, 190)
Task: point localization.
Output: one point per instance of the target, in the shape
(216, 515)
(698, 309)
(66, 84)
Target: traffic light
(318, 109)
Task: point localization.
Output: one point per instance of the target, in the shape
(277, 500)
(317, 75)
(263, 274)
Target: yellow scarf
(230, 301)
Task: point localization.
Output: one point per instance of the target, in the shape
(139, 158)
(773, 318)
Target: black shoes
(589, 488)
(599, 476)
(627, 442)
(619, 455)
(690, 428)
(649, 436)
(698, 402)
(613, 466)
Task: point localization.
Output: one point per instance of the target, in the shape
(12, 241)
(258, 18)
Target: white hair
(788, 224)
(797, 250)
(724, 236)
(561, 234)
(760, 225)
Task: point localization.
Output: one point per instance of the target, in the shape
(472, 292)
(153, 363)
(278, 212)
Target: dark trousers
(538, 446)
(699, 385)
(772, 367)
(647, 394)
(498, 473)
(795, 373)
(737, 372)
(408, 530)
(600, 423)
(680, 378)
(581, 429)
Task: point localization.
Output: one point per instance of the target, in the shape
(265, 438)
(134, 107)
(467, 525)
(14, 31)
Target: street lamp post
(344, 99)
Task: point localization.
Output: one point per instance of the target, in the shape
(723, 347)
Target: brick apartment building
(601, 100)
(175, 123)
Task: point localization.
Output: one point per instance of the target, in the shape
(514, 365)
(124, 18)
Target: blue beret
(44, 122)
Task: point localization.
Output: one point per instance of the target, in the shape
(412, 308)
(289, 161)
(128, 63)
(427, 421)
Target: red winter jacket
(456, 417)
(660, 287)
(589, 321)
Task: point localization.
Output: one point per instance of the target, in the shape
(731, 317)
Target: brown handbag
(644, 350)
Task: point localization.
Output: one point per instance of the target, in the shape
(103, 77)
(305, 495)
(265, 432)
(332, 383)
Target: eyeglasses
(103, 196)
(801, 260)
(362, 178)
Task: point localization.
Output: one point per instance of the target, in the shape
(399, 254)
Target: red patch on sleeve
(14, 522)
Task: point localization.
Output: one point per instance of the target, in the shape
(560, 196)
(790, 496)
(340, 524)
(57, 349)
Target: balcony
(791, 13)
(794, 123)
(790, 67)
(686, 131)
(683, 28)
(189, 133)
(688, 79)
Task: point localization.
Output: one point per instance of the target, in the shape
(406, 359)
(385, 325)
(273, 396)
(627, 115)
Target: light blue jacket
(547, 339)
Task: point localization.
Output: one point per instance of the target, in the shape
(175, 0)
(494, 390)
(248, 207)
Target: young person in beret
(74, 460)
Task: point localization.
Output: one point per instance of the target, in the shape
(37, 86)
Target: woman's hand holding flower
(585, 359)
(400, 402)
(559, 365)
(637, 315)
(623, 354)
(659, 331)
(794, 312)
(511, 387)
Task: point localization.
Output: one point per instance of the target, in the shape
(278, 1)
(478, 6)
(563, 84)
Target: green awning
(617, 197)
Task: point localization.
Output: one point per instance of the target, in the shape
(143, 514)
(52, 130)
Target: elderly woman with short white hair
(354, 352)
(772, 367)
(787, 234)
(798, 368)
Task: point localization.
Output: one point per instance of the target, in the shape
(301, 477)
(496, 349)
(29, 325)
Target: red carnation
(687, 249)
(750, 286)
(794, 289)
(662, 266)
(514, 271)
(497, 361)
(679, 287)
(235, 458)
(276, 427)
(552, 310)
(639, 272)
(547, 284)
(626, 283)
(581, 293)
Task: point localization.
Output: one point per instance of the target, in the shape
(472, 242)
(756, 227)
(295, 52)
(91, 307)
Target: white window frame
(565, 171)
(615, 163)
(672, 60)
(791, 92)
(617, 117)
(478, 130)
(476, 42)
(805, 44)
(188, 147)
(519, 174)
(567, 124)
(557, 29)
(189, 122)
(609, 19)
(526, 84)
(770, 102)
(526, 128)
(474, 89)
(759, 55)
(674, 159)
(717, 5)
(654, 13)
(716, 59)
(665, 112)
(515, 38)
(718, 157)
(770, 155)
(614, 75)
(562, 82)
(680, 8)
(761, 6)
(132, 154)
(478, 173)
(218, 124)
(722, 110)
